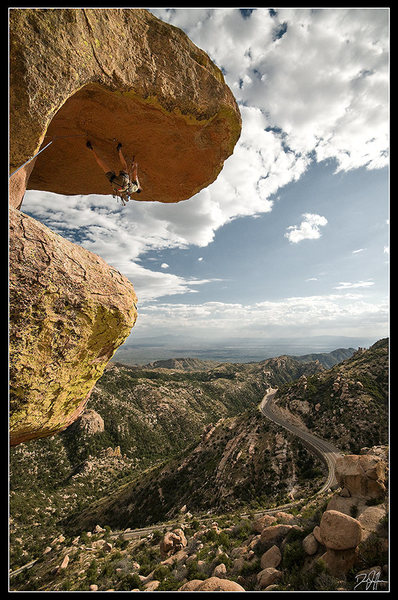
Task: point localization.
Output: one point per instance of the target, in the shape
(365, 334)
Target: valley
(182, 440)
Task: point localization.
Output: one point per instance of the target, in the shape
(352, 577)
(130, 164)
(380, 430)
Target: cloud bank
(348, 313)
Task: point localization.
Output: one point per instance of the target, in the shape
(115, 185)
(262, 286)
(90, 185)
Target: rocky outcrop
(69, 312)
(115, 74)
(90, 422)
(363, 480)
(172, 542)
(104, 75)
(361, 475)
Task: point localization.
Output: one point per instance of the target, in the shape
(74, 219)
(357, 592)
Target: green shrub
(354, 511)
(372, 552)
(250, 567)
(161, 572)
(169, 583)
(92, 571)
(293, 555)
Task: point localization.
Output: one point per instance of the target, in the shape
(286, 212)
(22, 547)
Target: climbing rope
(49, 143)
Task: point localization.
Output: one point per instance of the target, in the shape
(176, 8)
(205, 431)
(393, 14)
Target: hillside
(183, 364)
(67, 484)
(279, 551)
(327, 359)
(147, 417)
(347, 404)
(241, 462)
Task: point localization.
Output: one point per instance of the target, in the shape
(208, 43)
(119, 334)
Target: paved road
(323, 449)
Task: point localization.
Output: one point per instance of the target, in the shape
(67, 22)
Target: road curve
(323, 449)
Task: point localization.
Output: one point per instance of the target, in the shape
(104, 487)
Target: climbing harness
(49, 143)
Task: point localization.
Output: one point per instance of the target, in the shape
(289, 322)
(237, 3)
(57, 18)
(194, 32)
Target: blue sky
(292, 238)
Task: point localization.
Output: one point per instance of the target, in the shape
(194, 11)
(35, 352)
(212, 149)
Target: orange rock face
(115, 75)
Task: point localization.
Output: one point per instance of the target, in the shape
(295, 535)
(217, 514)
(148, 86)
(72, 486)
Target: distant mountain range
(326, 359)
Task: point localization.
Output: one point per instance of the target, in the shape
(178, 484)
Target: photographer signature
(371, 579)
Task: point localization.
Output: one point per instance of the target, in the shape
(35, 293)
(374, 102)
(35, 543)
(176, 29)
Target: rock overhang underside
(116, 75)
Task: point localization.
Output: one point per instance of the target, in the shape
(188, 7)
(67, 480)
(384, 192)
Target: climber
(125, 183)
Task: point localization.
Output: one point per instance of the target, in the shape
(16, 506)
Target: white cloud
(311, 315)
(164, 266)
(324, 83)
(347, 285)
(318, 92)
(307, 230)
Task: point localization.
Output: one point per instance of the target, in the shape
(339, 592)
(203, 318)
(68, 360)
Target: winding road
(325, 450)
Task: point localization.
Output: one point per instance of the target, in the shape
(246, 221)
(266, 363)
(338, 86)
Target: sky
(292, 239)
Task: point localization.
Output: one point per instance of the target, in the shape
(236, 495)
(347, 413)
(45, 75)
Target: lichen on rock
(69, 312)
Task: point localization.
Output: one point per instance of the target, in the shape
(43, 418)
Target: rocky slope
(347, 404)
(236, 461)
(315, 547)
(240, 462)
(151, 415)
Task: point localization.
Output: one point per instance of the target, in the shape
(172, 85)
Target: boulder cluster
(256, 553)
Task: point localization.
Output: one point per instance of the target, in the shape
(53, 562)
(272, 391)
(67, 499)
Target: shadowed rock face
(115, 75)
(69, 312)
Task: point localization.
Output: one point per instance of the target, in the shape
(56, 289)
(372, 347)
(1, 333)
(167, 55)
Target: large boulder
(118, 74)
(69, 312)
(90, 422)
(264, 521)
(172, 542)
(310, 544)
(274, 534)
(271, 558)
(362, 475)
(215, 584)
(267, 577)
(339, 562)
(339, 531)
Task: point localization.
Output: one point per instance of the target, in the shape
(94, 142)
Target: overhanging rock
(115, 75)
